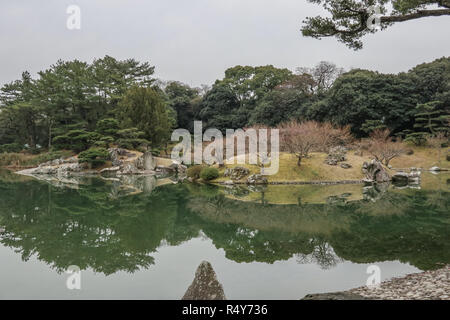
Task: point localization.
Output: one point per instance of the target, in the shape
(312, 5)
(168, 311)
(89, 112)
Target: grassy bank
(314, 168)
(26, 160)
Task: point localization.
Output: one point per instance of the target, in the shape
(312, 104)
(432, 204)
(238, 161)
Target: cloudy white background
(194, 41)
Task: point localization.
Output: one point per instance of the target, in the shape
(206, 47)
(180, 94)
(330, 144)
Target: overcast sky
(194, 41)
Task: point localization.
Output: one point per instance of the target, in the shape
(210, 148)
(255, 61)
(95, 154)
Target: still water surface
(141, 238)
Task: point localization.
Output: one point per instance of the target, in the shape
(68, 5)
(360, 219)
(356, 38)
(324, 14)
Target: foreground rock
(335, 296)
(205, 285)
(429, 285)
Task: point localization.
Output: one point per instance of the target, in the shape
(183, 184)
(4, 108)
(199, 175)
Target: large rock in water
(205, 285)
(257, 179)
(375, 171)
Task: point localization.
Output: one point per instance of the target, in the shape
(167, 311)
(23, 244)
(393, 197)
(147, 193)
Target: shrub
(10, 148)
(76, 140)
(194, 172)
(209, 174)
(108, 127)
(95, 157)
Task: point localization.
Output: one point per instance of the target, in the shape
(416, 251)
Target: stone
(110, 170)
(205, 285)
(375, 171)
(346, 165)
(116, 154)
(335, 296)
(257, 179)
(236, 173)
(336, 155)
(229, 183)
(149, 161)
(435, 169)
(403, 178)
(165, 170)
(2, 230)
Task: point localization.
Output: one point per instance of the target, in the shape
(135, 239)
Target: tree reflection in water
(101, 225)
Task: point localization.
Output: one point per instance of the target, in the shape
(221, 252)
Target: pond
(142, 238)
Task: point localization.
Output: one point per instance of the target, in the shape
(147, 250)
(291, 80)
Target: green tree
(349, 18)
(145, 109)
(232, 100)
(183, 100)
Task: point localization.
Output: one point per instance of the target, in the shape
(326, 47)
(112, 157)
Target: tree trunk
(299, 161)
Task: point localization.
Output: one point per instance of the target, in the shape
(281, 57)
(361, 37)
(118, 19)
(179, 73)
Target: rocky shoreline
(428, 285)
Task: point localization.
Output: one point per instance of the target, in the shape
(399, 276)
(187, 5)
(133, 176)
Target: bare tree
(301, 138)
(383, 148)
(324, 74)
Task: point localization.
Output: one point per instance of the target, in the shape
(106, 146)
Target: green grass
(313, 168)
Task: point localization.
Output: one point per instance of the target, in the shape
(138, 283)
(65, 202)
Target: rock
(116, 154)
(400, 177)
(346, 165)
(149, 161)
(205, 285)
(2, 230)
(165, 170)
(257, 179)
(229, 183)
(60, 170)
(435, 169)
(336, 155)
(128, 168)
(236, 173)
(237, 191)
(331, 162)
(335, 296)
(110, 170)
(375, 171)
(403, 178)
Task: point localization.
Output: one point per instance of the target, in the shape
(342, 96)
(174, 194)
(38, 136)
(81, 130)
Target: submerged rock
(403, 178)
(375, 171)
(205, 285)
(257, 179)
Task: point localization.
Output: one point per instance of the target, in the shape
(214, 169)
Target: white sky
(194, 41)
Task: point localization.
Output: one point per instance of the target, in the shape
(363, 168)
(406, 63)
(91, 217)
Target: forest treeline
(77, 105)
